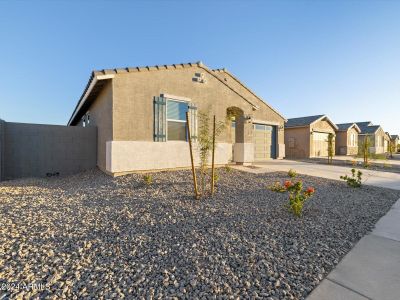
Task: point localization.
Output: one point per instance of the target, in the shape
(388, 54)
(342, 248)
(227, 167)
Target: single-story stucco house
(347, 139)
(376, 136)
(140, 117)
(307, 137)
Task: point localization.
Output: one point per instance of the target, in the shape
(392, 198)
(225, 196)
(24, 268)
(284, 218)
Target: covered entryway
(264, 142)
(320, 143)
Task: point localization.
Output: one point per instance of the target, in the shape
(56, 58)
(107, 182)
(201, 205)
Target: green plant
(205, 141)
(364, 149)
(292, 173)
(331, 147)
(148, 179)
(354, 180)
(216, 178)
(228, 168)
(297, 195)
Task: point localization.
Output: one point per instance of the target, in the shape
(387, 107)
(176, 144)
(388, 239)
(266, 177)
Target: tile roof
(369, 129)
(303, 121)
(344, 126)
(111, 72)
(394, 136)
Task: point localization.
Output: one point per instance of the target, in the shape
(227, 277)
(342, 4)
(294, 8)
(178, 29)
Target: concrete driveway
(370, 177)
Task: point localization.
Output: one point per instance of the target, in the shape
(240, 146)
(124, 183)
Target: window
(353, 140)
(176, 120)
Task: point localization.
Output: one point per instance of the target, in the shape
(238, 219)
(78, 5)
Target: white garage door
(320, 143)
(264, 141)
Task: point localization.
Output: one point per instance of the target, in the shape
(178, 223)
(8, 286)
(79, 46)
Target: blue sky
(340, 58)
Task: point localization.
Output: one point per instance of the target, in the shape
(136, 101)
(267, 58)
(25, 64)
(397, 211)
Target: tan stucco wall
(343, 146)
(123, 110)
(134, 93)
(101, 116)
(300, 145)
(323, 126)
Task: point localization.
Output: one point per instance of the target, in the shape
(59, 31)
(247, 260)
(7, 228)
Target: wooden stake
(212, 163)
(196, 191)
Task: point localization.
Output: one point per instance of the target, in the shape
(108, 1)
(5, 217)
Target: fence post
(2, 141)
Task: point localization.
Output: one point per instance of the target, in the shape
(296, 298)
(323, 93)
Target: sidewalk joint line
(385, 237)
(350, 289)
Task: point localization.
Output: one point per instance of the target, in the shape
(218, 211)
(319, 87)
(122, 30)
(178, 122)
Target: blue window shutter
(193, 120)
(160, 119)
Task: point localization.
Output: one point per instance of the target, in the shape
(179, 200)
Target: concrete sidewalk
(370, 177)
(371, 270)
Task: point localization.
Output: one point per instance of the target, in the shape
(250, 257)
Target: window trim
(174, 120)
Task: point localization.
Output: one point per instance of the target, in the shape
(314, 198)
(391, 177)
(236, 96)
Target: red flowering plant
(297, 194)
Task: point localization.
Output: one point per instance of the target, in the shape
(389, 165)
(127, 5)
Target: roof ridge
(147, 68)
(224, 70)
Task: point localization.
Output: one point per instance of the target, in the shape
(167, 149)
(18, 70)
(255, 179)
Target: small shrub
(148, 179)
(353, 181)
(297, 196)
(292, 173)
(367, 165)
(228, 168)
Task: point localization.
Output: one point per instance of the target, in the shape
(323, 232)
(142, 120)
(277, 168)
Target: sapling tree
(364, 149)
(331, 150)
(205, 142)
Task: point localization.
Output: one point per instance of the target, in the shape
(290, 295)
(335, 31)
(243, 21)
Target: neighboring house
(308, 136)
(347, 139)
(395, 140)
(376, 136)
(140, 117)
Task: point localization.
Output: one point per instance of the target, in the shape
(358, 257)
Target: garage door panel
(320, 141)
(264, 141)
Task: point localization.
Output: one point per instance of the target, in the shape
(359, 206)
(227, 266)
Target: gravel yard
(94, 236)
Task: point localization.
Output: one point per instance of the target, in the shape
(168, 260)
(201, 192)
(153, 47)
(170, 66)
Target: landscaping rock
(94, 236)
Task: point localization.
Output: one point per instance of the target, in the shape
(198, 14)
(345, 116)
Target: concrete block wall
(33, 150)
(2, 125)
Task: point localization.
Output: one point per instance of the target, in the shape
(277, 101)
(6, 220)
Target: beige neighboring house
(347, 139)
(140, 117)
(377, 137)
(307, 137)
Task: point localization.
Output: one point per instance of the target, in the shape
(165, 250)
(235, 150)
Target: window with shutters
(170, 119)
(176, 120)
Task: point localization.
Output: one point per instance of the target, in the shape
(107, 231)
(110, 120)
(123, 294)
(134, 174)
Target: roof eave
(91, 84)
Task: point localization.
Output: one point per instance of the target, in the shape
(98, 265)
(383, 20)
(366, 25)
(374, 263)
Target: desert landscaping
(93, 236)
